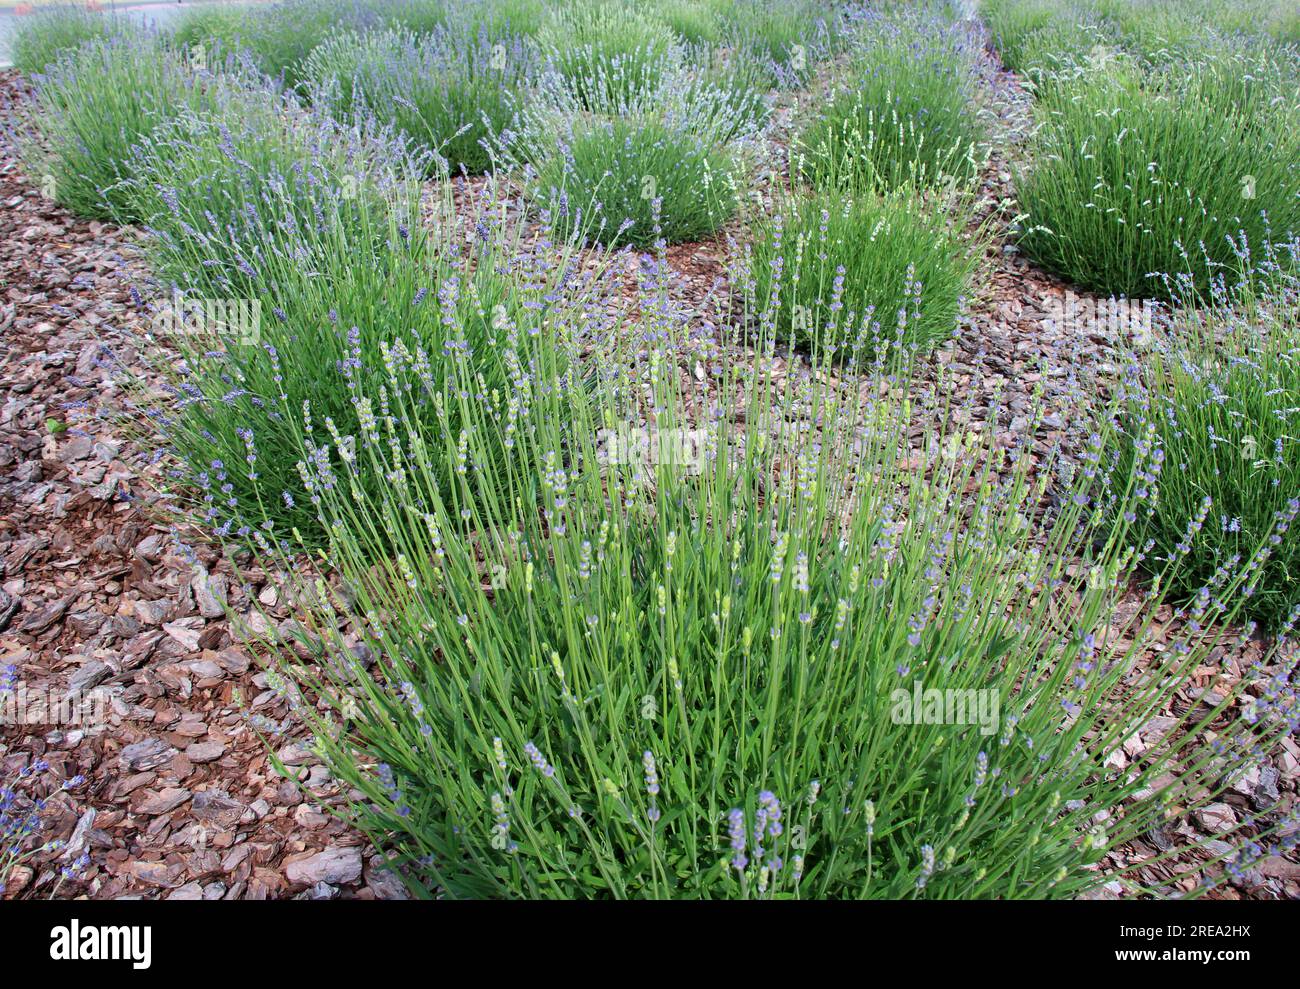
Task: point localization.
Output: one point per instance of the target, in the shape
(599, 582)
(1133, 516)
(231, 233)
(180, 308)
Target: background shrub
(790, 39)
(632, 181)
(607, 53)
(667, 162)
(213, 28)
(693, 21)
(1136, 173)
(1220, 400)
(903, 114)
(280, 36)
(417, 16)
(92, 108)
(498, 20)
(839, 275)
(448, 91)
(43, 36)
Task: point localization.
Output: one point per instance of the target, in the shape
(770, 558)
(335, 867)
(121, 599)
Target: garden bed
(124, 571)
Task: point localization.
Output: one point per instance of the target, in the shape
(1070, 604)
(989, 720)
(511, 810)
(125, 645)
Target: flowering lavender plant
(500, 20)
(1215, 408)
(843, 273)
(448, 91)
(24, 823)
(321, 227)
(789, 39)
(92, 108)
(1139, 172)
(901, 114)
(47, 34)
(605, 50)
(280, 36)
(666, 162)
(600, 678)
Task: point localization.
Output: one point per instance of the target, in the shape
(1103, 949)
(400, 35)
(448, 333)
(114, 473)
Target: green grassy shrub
(210, 30)
(872, 268)
(45, 35)
(603, 674)
(91, 110)
(633, 181)
(789, 38)
(417, 16)
(449, 91)
(607, 52)
(1031, 35)
(1220, 401)
(902, 116)
(693, 21)
(1140, 173)
(280, 36)
(666, 163)
(1043, 54)
(501, 20)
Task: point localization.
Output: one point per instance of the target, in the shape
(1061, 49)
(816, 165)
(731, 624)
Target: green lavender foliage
(316, 231)
(838, 273)
(1138, 172)
(686, 672)
(901, 115)
(92, 109)
(667, 162)
(449, 91)
(607, 52)
(1220, 399)
(42, 37)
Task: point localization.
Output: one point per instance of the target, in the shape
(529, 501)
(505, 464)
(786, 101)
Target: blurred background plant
(902, 112)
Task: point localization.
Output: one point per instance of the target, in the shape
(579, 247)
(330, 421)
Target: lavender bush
(902, 114)
(92, 109)
(448, 91)
(1216, 411)
(672, 651)
(606, 51)
(791, 39)
(501, 20)
(44, 36)
(664, 164)
(833, 272)
(314, 230)
(1138, 172)
(281, 35)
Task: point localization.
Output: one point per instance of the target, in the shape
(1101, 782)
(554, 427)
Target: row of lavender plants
(604, 599)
